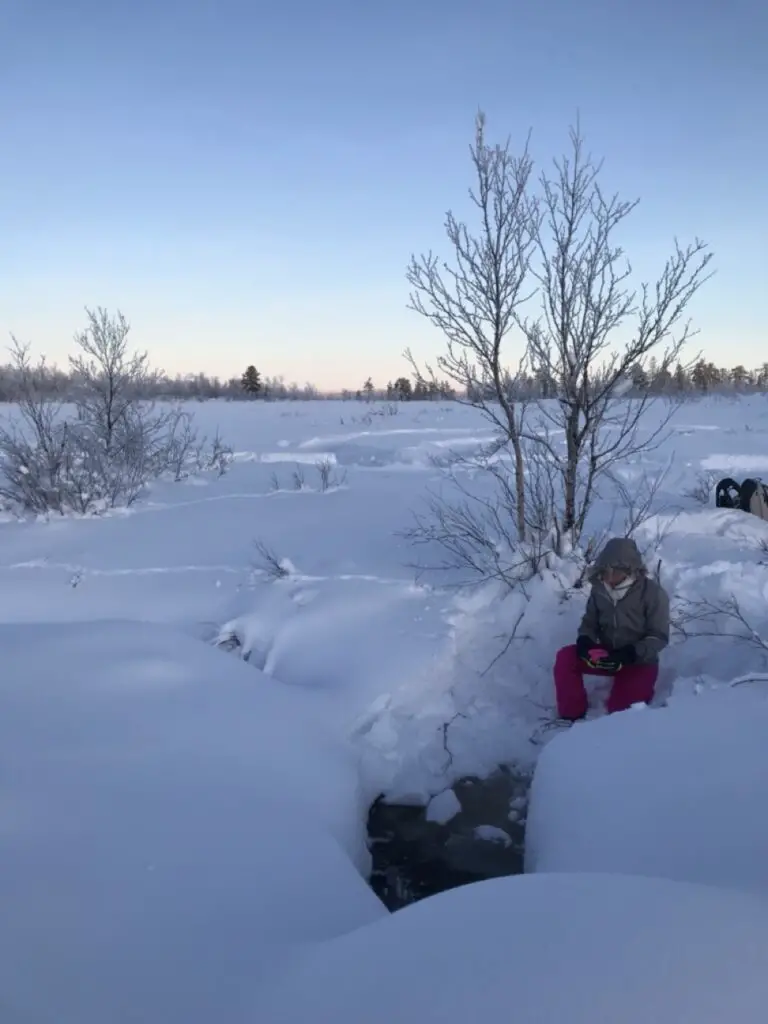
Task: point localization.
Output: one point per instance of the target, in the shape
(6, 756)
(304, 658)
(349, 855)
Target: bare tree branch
(594, 338)
(702, 488)
(110, 378)
(34, 450)
(586, 308)
(638, 499)
(268, 563)
(474, 300)
(470, 530)
(510, 639)
(444, 729)
(722, 619)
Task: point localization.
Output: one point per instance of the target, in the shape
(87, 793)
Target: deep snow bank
(171, 825)
(399, 664)
(714, 566)
(589, 949)
(677, 793)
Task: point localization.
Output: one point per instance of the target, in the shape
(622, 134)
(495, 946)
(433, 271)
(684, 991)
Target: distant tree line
(699, 378)
(56, 383)
(702, 377)
(252, 384)
(402, 390)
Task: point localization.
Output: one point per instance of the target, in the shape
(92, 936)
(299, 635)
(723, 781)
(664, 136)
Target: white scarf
(621, 589)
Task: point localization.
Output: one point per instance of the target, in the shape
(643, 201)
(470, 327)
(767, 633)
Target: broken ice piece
(492, 834)
(443, 807)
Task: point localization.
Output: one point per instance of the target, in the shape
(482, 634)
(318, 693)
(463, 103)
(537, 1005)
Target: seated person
(624, 628)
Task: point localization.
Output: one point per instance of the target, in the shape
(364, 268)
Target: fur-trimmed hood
(618, 553)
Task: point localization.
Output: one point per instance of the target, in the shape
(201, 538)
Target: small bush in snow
(702, 489)
(219, 456)
(328, 476)
(268, 563)
(106, 453)
(325, 469)
(35, 461)
(214, 456)
(183, 449)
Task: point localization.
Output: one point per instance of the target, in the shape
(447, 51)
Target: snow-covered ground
(173, 821)
(587, 949)
(171, 825)
(677, 794)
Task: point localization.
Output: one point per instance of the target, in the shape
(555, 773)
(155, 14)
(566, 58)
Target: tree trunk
(571, 473)
(519, 487)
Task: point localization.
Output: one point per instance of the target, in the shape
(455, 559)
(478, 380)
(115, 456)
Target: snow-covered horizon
(180, 823)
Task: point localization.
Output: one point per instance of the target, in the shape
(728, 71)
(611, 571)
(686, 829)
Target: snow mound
(678, 793)
(586, 949)
(443, 807)
(172, 824)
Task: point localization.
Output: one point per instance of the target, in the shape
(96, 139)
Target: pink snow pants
(633, 684)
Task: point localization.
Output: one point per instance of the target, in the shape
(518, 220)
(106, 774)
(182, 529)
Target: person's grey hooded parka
(636, 614)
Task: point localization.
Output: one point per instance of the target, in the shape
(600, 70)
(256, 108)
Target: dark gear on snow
(728, 494)
(750, 496)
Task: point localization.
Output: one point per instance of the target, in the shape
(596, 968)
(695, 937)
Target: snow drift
(678, 793)
(586, 949)
(171, 826)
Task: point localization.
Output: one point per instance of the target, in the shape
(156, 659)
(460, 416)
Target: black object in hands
(625, 655)
(608, 664)
(583, 646)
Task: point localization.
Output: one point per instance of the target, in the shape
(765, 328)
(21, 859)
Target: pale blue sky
(246, 180)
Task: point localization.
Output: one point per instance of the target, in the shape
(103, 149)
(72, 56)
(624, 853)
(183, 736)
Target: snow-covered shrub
(114, 444)
(269, 564)
(329, 478)
(218, 456)
(702, 489)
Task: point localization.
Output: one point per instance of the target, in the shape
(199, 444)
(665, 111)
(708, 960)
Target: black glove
(624, 655)
(583, 646)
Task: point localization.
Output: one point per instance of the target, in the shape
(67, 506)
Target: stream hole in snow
(469, 832)
(473, 831)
